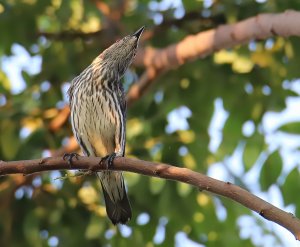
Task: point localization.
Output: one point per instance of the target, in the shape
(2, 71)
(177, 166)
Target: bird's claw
(69, 157)
(108, 159)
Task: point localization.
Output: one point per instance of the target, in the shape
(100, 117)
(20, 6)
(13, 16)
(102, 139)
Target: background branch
(156, 61)
(202, 182)
(204, 43)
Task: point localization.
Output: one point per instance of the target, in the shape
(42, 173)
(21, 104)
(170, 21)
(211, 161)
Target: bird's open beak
(139, 32)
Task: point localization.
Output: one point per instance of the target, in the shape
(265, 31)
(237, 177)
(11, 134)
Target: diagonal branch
(202, 182)
(157, 61)
(204, 43)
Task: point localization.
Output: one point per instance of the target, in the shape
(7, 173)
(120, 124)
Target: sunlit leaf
(224, 56)
(242, 65)
(263, 59)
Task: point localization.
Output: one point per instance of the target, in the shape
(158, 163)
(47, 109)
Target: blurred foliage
(248, 80)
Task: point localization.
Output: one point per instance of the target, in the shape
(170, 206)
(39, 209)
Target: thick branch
(157, 61)
(202, 182)
(191, 47)
(202, 44)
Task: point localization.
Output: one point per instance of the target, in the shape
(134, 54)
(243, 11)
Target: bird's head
(119, 56)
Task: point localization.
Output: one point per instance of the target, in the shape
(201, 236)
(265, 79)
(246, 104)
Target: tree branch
(202, 182)
(204, 43)
(156, 61)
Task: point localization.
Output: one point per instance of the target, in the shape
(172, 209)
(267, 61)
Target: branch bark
(259, 27)
(157, 61)
(164, 171)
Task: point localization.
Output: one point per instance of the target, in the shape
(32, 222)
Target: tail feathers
(118, 211)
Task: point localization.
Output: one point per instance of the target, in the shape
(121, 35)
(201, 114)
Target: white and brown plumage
(98, 115)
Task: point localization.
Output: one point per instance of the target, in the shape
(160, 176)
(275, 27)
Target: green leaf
(270, 170)
(253, 148)
(291, 187)
(293, 127)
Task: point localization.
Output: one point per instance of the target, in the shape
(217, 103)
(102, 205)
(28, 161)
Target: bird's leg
(69, 157)
(108, 159)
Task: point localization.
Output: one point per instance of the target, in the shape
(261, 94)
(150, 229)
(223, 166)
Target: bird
(98, 118)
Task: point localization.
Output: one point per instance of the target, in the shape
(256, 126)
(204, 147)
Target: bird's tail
(117, 204)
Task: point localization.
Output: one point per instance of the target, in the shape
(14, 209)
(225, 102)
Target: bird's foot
(108, 159)
(69, 157)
